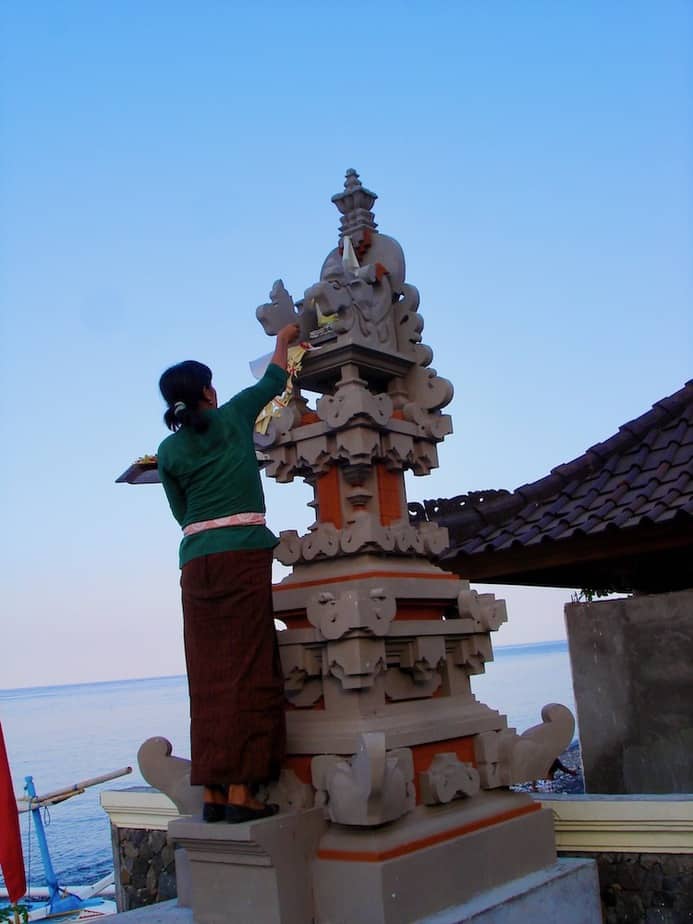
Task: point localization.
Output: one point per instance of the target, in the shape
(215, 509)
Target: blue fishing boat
(73, 903)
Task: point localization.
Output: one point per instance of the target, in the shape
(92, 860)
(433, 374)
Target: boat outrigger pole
(59, 901)
(56, 902)
(60, 795)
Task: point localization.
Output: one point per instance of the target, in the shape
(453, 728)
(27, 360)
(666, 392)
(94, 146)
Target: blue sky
(163, 163)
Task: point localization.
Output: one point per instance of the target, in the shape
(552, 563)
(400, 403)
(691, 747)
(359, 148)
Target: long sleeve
(249, 402)
(174, 495)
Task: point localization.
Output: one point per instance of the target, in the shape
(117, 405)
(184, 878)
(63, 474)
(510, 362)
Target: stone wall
(644, 888)
(632, 664)
(145, 869)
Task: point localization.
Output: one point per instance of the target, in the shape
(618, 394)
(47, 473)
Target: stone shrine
(395, 799)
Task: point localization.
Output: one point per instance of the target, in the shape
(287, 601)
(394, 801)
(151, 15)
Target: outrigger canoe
(76, 903)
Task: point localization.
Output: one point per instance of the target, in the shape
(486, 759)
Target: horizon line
(93, 683)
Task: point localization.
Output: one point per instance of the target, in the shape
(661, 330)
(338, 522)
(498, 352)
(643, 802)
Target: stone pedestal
(489, 861)
(566, 891)
(295, 868)
(429, 860)
(259, 872)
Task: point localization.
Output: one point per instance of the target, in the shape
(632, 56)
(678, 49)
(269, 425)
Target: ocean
(64, 734)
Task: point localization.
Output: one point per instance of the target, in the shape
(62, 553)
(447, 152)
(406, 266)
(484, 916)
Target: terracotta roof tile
(681, 455)
(661, 489)
(605, 509)
(642, 472)
(632, 521)
(668, 515)
(657, 457)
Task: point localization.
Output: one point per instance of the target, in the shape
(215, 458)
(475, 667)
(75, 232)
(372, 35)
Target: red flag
(11, 856)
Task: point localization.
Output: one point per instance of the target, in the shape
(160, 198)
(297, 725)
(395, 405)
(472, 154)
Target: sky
(161, 164)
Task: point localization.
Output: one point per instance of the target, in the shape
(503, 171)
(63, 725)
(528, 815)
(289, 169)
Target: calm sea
(65, 734)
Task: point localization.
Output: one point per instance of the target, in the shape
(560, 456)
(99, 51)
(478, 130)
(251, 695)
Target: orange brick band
(329, 498)
(389, 495)
(375, 856)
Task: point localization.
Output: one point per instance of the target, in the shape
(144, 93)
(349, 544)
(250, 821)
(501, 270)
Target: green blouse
(215, 473)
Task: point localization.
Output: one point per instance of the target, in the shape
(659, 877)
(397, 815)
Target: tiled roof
(643, 475)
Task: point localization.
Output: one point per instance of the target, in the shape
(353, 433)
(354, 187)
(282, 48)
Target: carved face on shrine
(331, 297)
(359, 301)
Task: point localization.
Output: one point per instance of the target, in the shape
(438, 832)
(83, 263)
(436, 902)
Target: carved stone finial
(355, 204)
(170, 775)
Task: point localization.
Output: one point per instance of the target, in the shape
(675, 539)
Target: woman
(211, 478)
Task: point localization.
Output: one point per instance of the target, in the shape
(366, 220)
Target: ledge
(138, 807)
(622, 824)
(583, 823)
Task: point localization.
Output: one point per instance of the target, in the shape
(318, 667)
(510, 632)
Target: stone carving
(357, 446)
(359, 299)
(326, 541)
(302, 667)
(373, 787)
(356, 662)
(435, 540)
(170, 775)
(366, 531)
(428, 425)
(315, 453)
(448, 778)
(504, 757)
(428, 391)
(358, 237)
(420, 669)
(323, 540)
(472, 653)
(537, 748)
(352, 399)
(410, 326)
(492, 753)
(334, 615)
(380, 402)
(486, 613)
(278, 312)
(289, 549)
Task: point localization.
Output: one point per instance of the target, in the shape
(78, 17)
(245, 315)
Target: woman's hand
(289, 333)
(281, 350)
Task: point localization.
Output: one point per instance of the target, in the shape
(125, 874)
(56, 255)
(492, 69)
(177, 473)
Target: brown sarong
(237, 730)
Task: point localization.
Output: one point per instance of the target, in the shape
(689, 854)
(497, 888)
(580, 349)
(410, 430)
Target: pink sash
(236, 519)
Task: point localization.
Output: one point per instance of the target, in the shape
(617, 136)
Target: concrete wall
(647, 888)
(632, 664)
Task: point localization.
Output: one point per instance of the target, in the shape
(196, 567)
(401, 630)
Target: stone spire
(355, 203)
